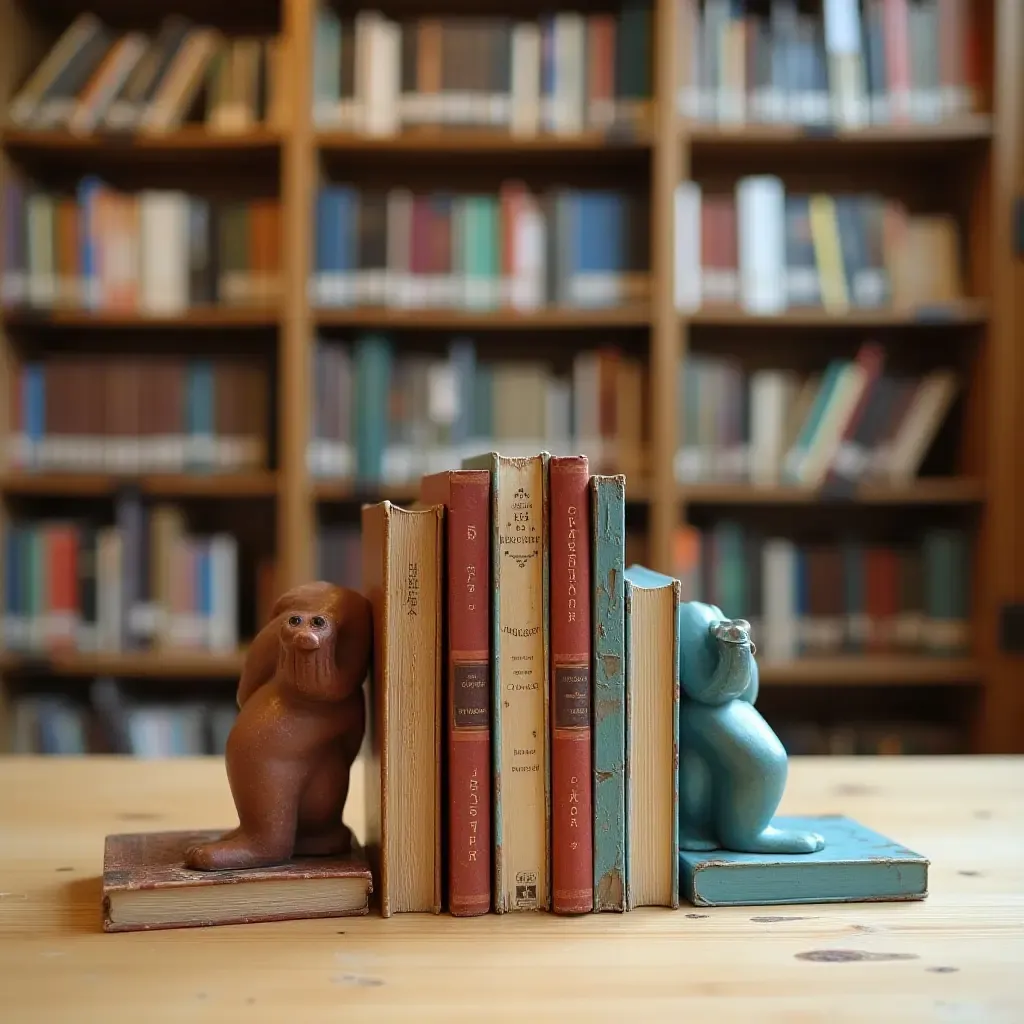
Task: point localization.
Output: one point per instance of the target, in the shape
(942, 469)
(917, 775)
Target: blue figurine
(732, 770)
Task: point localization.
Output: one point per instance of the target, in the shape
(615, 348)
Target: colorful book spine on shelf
(766, 250)
(139, 413)
(845, 65)
(563, 74)
(380, 414)
(142, 583)
(151, 253)
(820, 599)
(512, 250)
(97, 79)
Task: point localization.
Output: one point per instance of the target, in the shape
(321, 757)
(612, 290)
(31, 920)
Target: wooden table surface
(957, 956)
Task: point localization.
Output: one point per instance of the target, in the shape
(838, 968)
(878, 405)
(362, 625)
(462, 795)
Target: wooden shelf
(167, 485)
(901, 137)
(498, 319)
(871, 670)
(466, 142)
(200, 318)
(928, 491)
(963, 313)
(190, 139)
(164, 664)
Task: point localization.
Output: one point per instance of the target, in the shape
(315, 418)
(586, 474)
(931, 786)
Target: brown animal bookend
(300, 725)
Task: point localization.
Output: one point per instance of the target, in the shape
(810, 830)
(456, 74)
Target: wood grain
(953, 957)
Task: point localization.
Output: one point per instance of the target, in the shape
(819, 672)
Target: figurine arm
(260, 662)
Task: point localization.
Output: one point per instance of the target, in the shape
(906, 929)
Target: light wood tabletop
(957, 956)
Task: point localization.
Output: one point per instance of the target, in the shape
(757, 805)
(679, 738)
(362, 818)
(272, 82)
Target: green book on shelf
(856, 865)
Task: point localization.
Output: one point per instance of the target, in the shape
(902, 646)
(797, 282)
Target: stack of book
(98, 80)
(525, 696)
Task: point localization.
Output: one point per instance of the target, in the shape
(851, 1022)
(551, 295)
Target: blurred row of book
(96, 78)
(110, 720)
(379, 414)
(846, 64)
(767, 250)
(757, 247)
(820, 598)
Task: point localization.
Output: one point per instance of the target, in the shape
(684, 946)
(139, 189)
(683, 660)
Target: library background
(264, 262)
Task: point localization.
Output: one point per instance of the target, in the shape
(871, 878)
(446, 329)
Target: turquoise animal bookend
(732, 767)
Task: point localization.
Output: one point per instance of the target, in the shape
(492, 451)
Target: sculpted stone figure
(732, 769)
(299, 728)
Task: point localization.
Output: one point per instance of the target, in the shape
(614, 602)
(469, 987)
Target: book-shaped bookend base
(146, 886)
(856, 865)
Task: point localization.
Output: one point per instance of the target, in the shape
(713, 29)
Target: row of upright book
(111, 720)
(545, 736)
(97, 79)
(842, 63)
(767, 249)
(143, 581)
(851, 595)
(563, 73)
(153, 252)
(512, 248)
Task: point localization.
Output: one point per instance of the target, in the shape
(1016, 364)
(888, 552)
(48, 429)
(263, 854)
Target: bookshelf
(970, 164)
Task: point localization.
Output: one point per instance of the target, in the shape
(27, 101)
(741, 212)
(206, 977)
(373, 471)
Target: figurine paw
(697, 844)
(778, 840)
(234, 854)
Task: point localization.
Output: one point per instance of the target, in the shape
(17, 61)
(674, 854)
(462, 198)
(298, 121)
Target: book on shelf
(818, 599)
(563, 74)
(98, 80)
(151, 252)
(843, 64)
(379, 415)
(143, 581)
(138, 413)
(854, 423)
(112, 720)
(512, 249)
(766, 250)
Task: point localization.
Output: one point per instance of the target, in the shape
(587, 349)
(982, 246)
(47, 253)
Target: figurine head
(732, 631)
(325, 634)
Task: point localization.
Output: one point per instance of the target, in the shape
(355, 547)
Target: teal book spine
(608, 525)
(520, 653)
(372, 402)
(856, 865)
(640, 578)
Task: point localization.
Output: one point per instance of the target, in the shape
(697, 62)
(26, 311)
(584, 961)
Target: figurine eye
(295, 620)
(318, 621)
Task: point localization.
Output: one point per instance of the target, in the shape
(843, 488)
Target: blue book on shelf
(856, 865)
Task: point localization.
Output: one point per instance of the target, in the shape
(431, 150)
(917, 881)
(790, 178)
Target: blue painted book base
(856, 865)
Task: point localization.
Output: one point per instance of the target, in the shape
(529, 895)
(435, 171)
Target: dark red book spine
(572, 843)
(469, 694)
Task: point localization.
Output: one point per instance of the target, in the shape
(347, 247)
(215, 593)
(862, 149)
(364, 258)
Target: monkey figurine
(300, 725)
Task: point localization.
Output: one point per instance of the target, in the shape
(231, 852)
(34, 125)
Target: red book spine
(469, 694)
(572, 842)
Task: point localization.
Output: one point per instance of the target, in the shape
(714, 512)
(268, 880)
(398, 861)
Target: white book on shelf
(770, 394)
(164, 255)
(525, 79)
(761, 225)
(381, 74)
(223, 621)
(779, 625)
(569, 67)
(688, 283)
(845, 52)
